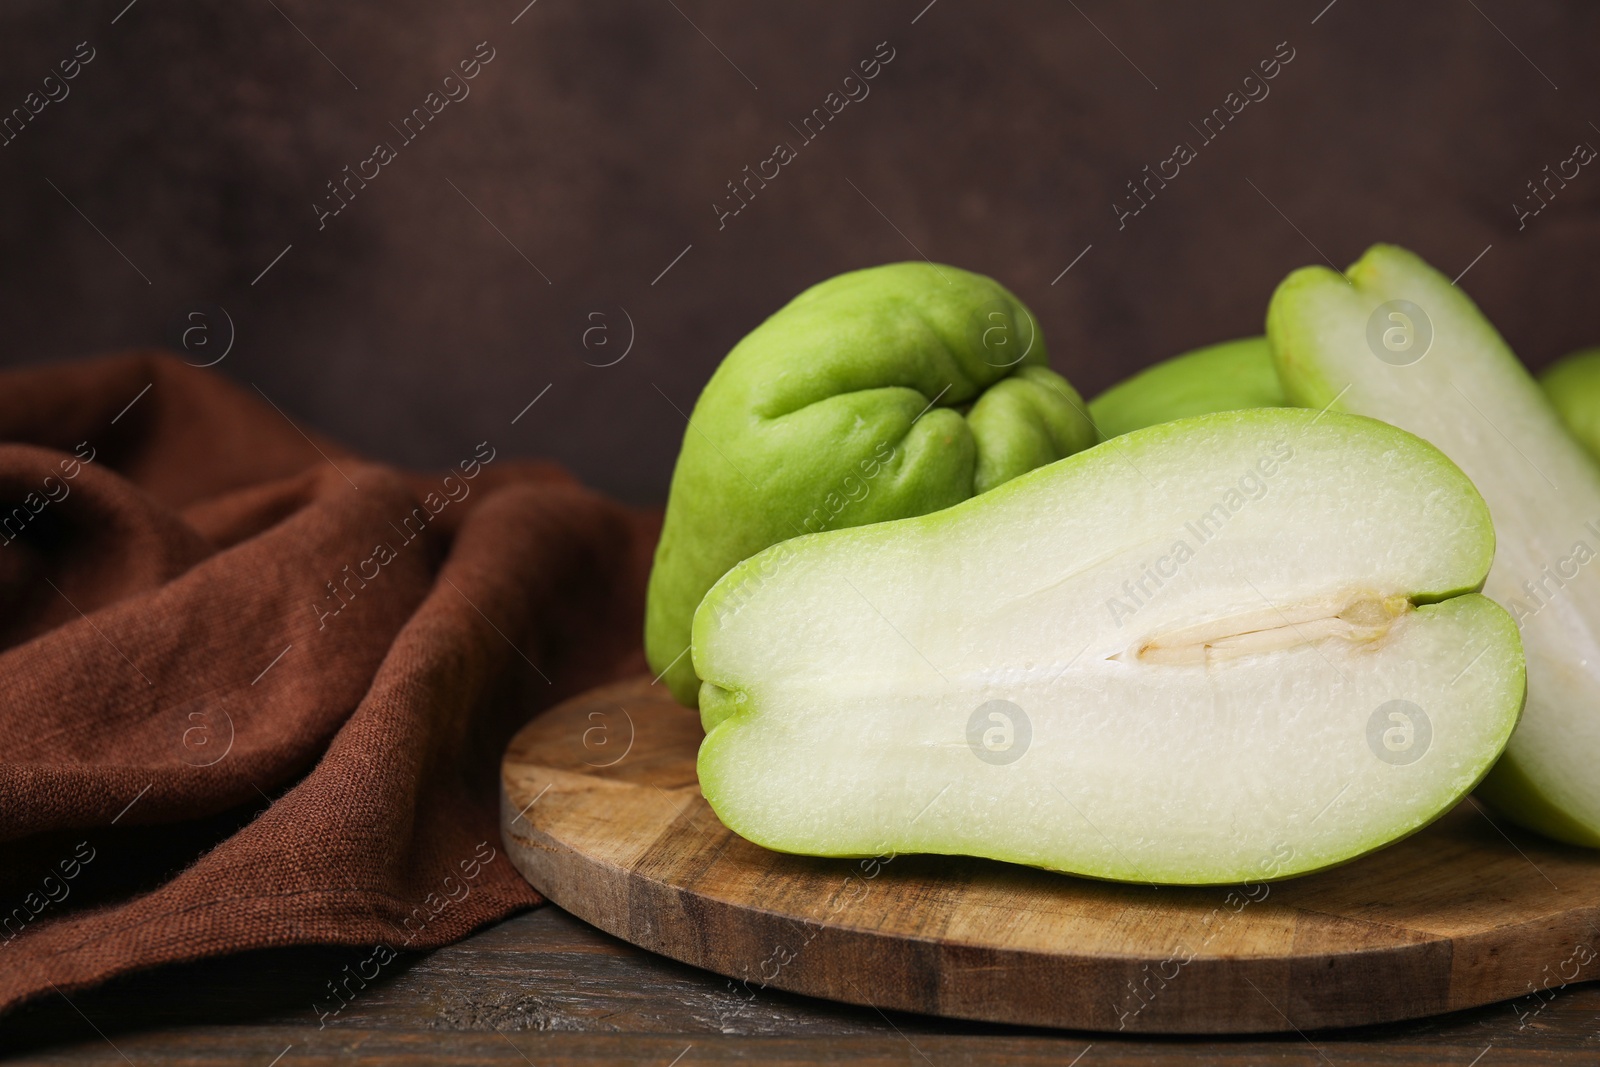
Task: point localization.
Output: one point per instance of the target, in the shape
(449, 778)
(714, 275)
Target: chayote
(1573, 386)
(1222, 377)
(878, 394)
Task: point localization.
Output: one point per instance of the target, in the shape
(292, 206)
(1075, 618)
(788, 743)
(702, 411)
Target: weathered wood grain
(602, 812)
(547, 988)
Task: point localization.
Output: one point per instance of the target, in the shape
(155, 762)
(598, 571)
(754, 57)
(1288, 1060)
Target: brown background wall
(597, 140)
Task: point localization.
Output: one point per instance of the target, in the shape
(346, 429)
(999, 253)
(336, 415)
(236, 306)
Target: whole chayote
(878, 394)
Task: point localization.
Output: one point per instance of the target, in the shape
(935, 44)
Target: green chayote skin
(1222, 377)
(1573, 386)
(878, 394)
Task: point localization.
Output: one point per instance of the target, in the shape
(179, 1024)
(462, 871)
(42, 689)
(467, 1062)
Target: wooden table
(544, 988)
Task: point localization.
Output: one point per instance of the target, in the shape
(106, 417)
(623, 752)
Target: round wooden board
(601, 812)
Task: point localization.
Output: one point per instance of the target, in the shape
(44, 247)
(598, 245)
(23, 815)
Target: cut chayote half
(879, 394)
(1234, 647)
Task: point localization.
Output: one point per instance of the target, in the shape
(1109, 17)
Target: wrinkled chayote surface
(878, 394)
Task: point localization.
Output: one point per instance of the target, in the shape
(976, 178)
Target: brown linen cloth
(253, 690)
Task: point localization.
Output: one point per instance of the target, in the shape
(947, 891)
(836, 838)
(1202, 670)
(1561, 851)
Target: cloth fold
(254, 689)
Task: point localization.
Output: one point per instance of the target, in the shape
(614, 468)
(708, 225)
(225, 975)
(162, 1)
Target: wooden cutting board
(600, 810)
